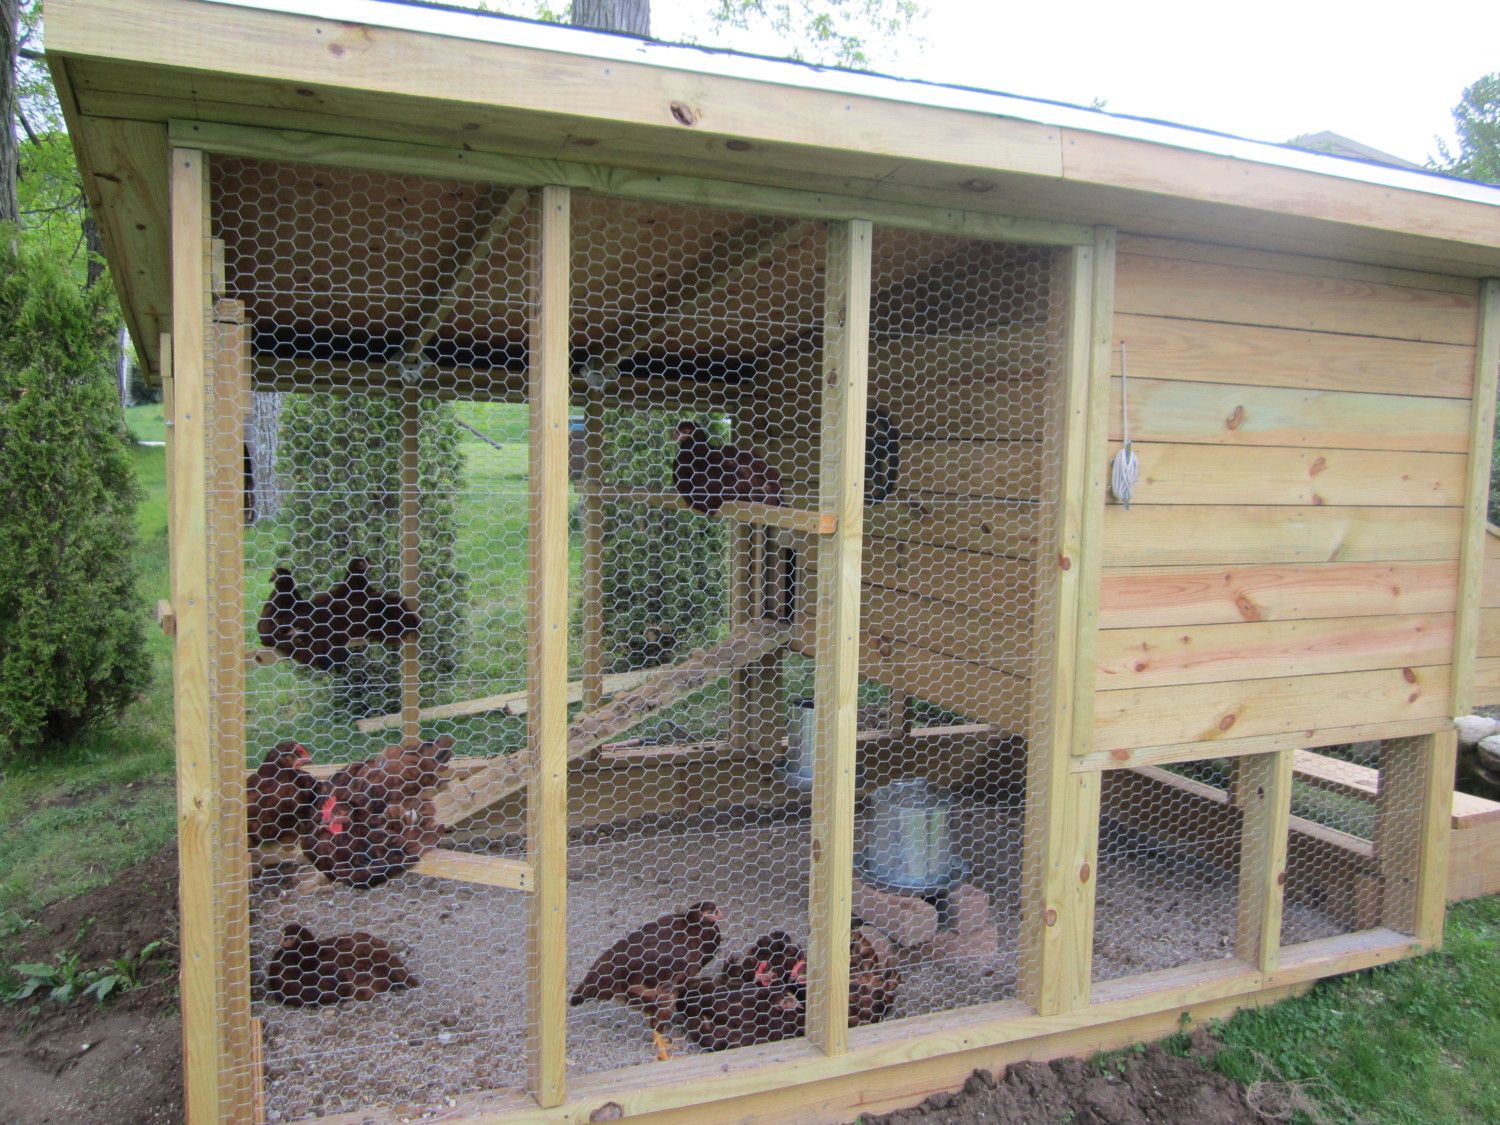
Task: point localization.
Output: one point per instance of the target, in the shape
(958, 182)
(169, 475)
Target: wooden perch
(467, 867)
(739, 511)
(511, 702)
(463, 798)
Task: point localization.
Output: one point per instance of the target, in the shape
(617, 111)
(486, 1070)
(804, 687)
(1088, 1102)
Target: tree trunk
(93, 245)
(10, 156)
(633, 17)
(262, 436)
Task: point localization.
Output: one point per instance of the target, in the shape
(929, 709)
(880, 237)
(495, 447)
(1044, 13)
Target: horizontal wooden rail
(739, 511)
(487, 870)
(511, 702)
(1363, 782)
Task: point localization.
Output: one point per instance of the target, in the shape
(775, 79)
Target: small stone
(1489, 752)
(905, 919)
(1473, 729)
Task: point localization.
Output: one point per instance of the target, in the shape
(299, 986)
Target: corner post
(841, 490)
(1263, 794)
(1061, 835)
(547, 663)
(1414, 807)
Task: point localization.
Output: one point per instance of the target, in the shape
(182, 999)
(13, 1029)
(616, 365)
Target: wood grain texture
(1215, 474)
(1195, 535)
(841, 490)
(997, 527)
(1207, 713)
(547, 656)
(1201, 351)
(1471, 565)
(1131, 658)
(1202, 595)
(969, 577)
(1264, 791)
(1229, 414)
(1229, 294)
(1412, 832)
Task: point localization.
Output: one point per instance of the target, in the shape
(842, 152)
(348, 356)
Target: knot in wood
(1050, 917)
(685, 114)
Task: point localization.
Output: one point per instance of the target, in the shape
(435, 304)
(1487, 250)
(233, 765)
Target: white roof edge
(488, 28)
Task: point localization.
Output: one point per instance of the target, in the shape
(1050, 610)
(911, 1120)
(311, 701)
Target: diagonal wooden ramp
(465, 797)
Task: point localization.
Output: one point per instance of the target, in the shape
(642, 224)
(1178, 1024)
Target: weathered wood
(485, 870)
(841, 490)
(1206, 595)
(1237, 295)
(1264, 783)
(1481, 449)
(1210, 712)
(1412, 832)
(1129, 658)
(547, 656)
(1226, 414)
(1201, 351)
(1203, 534)
(1211, 474)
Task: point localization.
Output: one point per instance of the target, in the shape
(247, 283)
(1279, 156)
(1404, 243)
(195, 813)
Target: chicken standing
(286, 614)
(280, 796)
(306, 971)
(707, 475)
(652, 965)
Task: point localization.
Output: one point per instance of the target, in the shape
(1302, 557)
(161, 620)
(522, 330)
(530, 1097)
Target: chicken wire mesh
(372, 621)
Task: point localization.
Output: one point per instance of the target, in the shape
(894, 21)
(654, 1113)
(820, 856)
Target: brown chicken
(873, 980)
(366, 845)
(354, 609)
(402, 770)
(306, 971)
(651, 966)
(280, 796)
(286, 615)
(707, 475)
(758, 997)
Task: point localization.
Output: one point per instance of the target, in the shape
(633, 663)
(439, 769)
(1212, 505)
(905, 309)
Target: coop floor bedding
(464, 1027)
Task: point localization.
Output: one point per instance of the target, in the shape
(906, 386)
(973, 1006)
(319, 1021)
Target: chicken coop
(658, 635)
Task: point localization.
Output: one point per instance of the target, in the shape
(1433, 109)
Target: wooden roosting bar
(1244, 681)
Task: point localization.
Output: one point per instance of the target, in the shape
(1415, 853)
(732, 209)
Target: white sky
(1385, 74)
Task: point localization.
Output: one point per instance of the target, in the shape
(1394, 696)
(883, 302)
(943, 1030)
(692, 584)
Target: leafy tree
(831, 32)
(72, 643)
(1477, 120)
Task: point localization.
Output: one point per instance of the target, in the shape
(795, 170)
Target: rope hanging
(1125, 470)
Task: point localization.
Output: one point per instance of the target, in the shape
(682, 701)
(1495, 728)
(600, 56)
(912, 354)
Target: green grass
(146, 423)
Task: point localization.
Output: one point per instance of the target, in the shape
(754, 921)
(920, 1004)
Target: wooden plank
(1412, 832)
(1148, 596)
(999, 527)
(1491, 584)
(971, 578)
(547, 656)
(485, 870)
(1481, 449)
(841, 490)
(1061, 833)
(1363, 782)
(1200, 351)
(1213, 291)
(1265, 790)
(1006, 470)
(1164, 410)
(1204, 534)
(1489, 632)
(411, 559)
(1312, 736)
(1487, 680)
(748, 512)
(955, 402)
(205, 1042)
(1213, 474)
(1207, 713)
(1132, 658)
(511, 702)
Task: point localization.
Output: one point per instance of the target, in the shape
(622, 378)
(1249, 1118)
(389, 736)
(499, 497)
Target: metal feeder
(801, 742)
(909, 842)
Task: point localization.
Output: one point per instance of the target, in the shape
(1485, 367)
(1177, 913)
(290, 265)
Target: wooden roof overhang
(482, 98)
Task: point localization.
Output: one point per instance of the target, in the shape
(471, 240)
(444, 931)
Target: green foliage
(830, 32)
(1477, 121)
(72, 646)
(340, 456)
(64, 979)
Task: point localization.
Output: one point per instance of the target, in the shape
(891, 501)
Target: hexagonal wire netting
(384, 468)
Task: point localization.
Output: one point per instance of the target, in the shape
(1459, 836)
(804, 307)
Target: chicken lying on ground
(707, 475)
(280, 796)
(873, 979)
(651, 966)
(306, 971)
(759, 997)
(376, 818)
(322, 631)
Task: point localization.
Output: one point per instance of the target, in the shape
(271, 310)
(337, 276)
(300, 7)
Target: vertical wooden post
(1413, 809)
(411, 558)
(547, 663)
(593, 551)
(1061, 837)
(1263, 794)
(169, 427)
(1476, 492)
(841, 490)
(209, 1066)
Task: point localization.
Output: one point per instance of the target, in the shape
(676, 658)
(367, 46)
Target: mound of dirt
(1152, 1087)
(120, 1061)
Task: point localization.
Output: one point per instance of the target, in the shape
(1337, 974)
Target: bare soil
(121, 1061)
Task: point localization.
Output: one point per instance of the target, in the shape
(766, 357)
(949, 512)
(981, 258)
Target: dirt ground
(122, 1061)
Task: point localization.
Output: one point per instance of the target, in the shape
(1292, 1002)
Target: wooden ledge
(738, 511)
(486, 870)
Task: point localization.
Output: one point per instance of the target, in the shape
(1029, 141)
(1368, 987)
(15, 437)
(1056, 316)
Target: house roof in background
(1336, 144)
